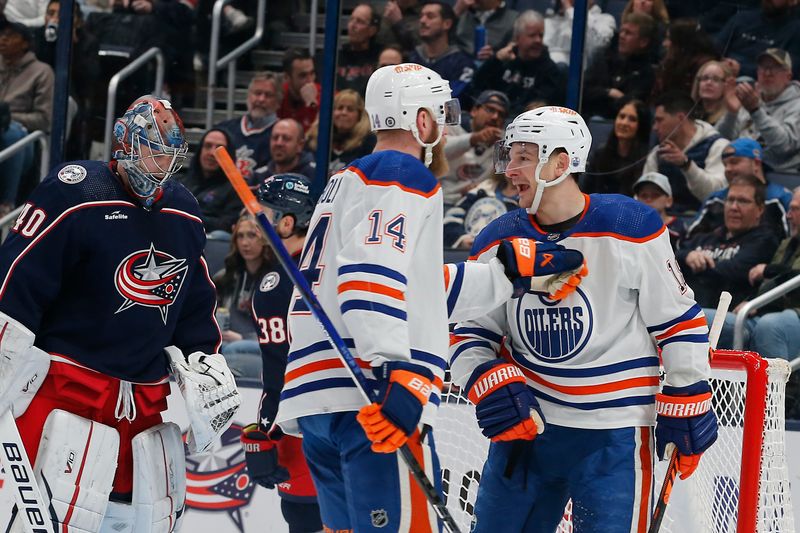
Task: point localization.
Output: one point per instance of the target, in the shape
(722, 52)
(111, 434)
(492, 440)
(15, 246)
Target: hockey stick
(251, 203)
(672, 467)
(31, 507)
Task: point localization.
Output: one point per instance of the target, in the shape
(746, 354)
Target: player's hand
(403, 390)
(504, 404)
(525, 258)
(684, 418)
(261, 456)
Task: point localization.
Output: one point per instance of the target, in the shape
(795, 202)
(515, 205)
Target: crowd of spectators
(697, 106)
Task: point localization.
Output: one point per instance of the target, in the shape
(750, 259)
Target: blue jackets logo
(150, 278)
(554, 331)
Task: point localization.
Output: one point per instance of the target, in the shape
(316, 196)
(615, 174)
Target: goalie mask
(288, 194)
(149, 143)
(395, 93)
(549, 128)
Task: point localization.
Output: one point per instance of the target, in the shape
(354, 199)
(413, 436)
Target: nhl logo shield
(379, 518)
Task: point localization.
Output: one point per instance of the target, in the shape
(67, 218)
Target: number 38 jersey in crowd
(591, 358)
(101, 281)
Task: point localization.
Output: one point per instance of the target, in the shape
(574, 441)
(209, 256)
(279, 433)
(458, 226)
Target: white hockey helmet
(549, 128)
(396, 92)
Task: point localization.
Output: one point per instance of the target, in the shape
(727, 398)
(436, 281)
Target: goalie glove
(684, 418)
(210, 393)
(261, 456)
(23, 366)
(403, 390)
(541, 267)
(504, 404)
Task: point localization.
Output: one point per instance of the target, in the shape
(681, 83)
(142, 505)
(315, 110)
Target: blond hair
(359, 132)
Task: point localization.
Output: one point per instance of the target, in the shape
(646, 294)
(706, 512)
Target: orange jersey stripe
(420, 521)
(688, 324)
(645, 457)
(368, 286)
(446, 277)
(316, 366)
(397, 184)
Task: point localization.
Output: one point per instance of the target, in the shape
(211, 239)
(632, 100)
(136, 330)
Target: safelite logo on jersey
(554, 330)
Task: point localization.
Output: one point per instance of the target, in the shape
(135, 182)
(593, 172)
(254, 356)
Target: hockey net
(741, 485)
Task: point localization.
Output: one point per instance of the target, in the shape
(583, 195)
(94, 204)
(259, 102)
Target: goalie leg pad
(159, 479)
(75, 467)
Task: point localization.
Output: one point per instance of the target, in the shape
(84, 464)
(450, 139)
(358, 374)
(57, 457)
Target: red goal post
(741, 485)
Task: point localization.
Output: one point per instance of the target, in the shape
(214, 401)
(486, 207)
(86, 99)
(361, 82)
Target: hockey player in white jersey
(373, 256)
(586, 366)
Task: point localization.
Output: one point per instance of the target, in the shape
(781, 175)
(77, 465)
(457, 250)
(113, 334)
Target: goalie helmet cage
(740, 486)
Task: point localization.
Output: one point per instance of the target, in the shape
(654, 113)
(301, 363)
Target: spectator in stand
(469, 150)
(616, 166)
(218, 202)
(708, 91)
(358, 57)
(656, 9)
(390, 55)
(492, 198)
(399, 24)
(742, 157)
(436, 21)
(653, 189)
(250, 134)
(749, 33)
(287, 145)
(721, 260)
(772, 111)
(26, 84)
(773, 330)
(522, 69)
(689, 152)
(246, 264)
(301, 92)
(688, 47)
(600, 29)
(352, 135)
(621, 71)
(493, 15)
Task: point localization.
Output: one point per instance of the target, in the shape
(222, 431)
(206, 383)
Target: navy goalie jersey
(104, 283)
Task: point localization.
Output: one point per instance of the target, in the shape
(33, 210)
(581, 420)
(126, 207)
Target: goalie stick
(251, 204)
(672, 467)
(31, 507)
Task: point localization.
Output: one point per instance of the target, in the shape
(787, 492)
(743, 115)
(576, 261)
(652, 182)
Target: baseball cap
(743, 147)
(778, 54)
(657, 179)
(493, 97)
(17, 28)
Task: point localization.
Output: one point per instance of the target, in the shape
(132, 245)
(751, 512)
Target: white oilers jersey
(591, 359)
(373, 257)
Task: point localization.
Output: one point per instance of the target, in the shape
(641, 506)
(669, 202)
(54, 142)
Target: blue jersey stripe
(700, 338)
(466, 346)
(329, 383)
(366, 305)
(688, 315)
(316, 347)
(373, 269)
(480, 332)
(425, 357)
(639, 362)
(455, 288)
(605, 404)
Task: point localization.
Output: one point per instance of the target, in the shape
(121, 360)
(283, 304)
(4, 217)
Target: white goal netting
(741, 485)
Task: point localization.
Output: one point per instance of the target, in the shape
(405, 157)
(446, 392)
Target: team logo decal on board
(72, 174)
(554, 331)
(150, 278)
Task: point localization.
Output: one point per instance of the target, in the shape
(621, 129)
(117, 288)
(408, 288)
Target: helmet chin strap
(428, 146)
(541, 185)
